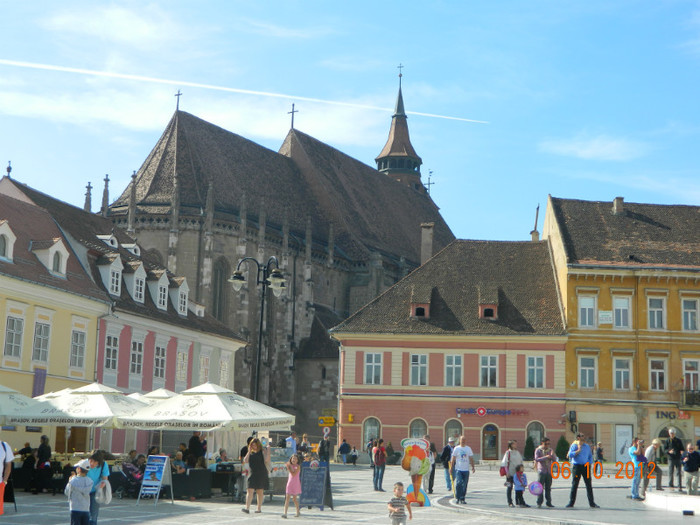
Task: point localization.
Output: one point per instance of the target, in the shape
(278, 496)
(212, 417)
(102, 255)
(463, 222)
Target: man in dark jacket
(674, 448)
(195, 446)
(446, 458)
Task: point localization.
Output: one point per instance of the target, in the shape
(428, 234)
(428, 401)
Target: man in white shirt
(6, 458)
(292, 442)
(462, 459)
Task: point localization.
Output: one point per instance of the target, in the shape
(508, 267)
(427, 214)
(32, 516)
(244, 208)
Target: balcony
(690, 398)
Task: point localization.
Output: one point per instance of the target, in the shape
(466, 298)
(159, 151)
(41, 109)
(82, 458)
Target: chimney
(535, 235)
(426, 241)
(618, 206)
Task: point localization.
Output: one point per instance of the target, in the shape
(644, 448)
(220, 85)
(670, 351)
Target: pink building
(472, 342)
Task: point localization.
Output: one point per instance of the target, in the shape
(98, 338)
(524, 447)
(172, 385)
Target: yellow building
(629, 277)
(50, 310)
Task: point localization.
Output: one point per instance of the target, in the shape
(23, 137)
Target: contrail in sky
(124, 76)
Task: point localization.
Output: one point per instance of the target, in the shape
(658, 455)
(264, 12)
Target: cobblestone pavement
(356, 502)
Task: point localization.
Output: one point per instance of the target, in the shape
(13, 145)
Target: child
(293, 483)
(353, 456)
(398, 506)
(78, 492)
(520, 484)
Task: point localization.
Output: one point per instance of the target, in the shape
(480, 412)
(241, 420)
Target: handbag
(505, 464)
(103, 495)
(503, 471)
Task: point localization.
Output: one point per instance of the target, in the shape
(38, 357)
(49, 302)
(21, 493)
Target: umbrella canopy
(93, 405)
(208, 407)
(153, 397)
(12, 403)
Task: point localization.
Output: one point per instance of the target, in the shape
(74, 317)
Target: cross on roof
(400, 67)
(292, 113)
(178, 95)
(429, 183)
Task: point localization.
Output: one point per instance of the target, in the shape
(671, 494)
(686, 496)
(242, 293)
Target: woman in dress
(257, 459)
(511, 459)
(293, 483)
(43, 465)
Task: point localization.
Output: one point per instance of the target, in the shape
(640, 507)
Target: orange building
(471, 342)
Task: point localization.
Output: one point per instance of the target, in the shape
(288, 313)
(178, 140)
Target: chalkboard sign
(313, 483)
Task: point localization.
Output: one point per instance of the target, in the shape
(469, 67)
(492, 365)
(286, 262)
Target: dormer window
(3, 246)
(52, 254)
(488, 312)
(420, 310)
(162, 297)
(133, 248)
(115, 281)
(139, 285)
(7, 240)
(182, 303)
(110, 240)
(56, 266)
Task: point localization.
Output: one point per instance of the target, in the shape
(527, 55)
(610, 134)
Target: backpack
(380, 457)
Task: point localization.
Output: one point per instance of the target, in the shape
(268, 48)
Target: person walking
(379, 454)
(258, 460)
(691, 464)
(462, 459)
(99, 474)
(432, 457)
(78, 491)
(653, 455)
(544, 457)
(398, 505)
(293, 484)
(324, 449)
(636, 454)
(353, 457)
(43, 465)
(446, 459)
(581, 456)
(674, 450)
(6, 459)
(511, 459)
(344, 450)
(370, 447)
(520, 484)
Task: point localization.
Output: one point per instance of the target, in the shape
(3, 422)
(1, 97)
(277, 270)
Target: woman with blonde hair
(258, 460)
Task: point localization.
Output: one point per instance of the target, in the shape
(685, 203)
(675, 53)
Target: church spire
(398, 159)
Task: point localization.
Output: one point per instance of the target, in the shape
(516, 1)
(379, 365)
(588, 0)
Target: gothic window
(219, 289)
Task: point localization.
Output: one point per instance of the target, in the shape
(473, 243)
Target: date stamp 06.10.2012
(624, 470)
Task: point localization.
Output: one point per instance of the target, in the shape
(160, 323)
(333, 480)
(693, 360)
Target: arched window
(489, 442)
(536, 431)
(56, 267)
(453, 428)
(220, 289)
(418, 428)
(3, 246)
(370, 429)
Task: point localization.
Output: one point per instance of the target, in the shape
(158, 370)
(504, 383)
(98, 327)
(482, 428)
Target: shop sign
(483, 411)
(605, 317)
(671, 414)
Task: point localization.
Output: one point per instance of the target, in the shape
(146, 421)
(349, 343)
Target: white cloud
(601, 147)
(267, 29)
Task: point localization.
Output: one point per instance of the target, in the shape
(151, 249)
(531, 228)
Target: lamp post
(267, 274)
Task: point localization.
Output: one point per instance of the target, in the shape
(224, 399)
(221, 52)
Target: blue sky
(580, 99)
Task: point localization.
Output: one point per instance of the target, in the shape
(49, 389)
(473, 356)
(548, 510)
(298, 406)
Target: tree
(562, 449)
(529, 451)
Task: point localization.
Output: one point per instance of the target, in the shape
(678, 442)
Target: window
(691, 374)
(621, 312)
(690, 314)
(586, 311)
(181, 367)
(656, 313)
(535, 430)
(453, 370)
(77, 349)
(453, 428)
(203, 368)
(136, 364)
(115, 282)
(3, 246)
(139, 285)
(111, 352)
(489, 370)
(223, 372)
(587, 372)
(182, 304)
(159, 362)
(56, 266)
(535, 372)
(373, 369)
(13, 337)
(162, 297)
(370, 429)
(419, 369)
(40, 351)
(622, 373)
(417, 429)
(657, 375)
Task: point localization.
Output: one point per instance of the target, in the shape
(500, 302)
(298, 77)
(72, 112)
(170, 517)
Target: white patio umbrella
(93, 405)
(208, 407)
(12, 403)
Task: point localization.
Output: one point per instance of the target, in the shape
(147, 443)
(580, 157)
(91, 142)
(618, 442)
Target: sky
(507, 101)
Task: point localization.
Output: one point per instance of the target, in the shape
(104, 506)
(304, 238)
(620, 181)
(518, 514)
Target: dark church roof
(641, 235)
(399, 142)
(519, 273)
(307, 178)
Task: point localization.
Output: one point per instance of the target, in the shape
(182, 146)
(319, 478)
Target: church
(340, 231)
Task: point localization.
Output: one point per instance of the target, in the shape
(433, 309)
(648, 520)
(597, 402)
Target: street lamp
(270, 275)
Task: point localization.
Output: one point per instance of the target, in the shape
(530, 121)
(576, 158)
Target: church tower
(398, 159)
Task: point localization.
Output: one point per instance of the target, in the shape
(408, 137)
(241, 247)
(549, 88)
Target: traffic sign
(326, 421)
